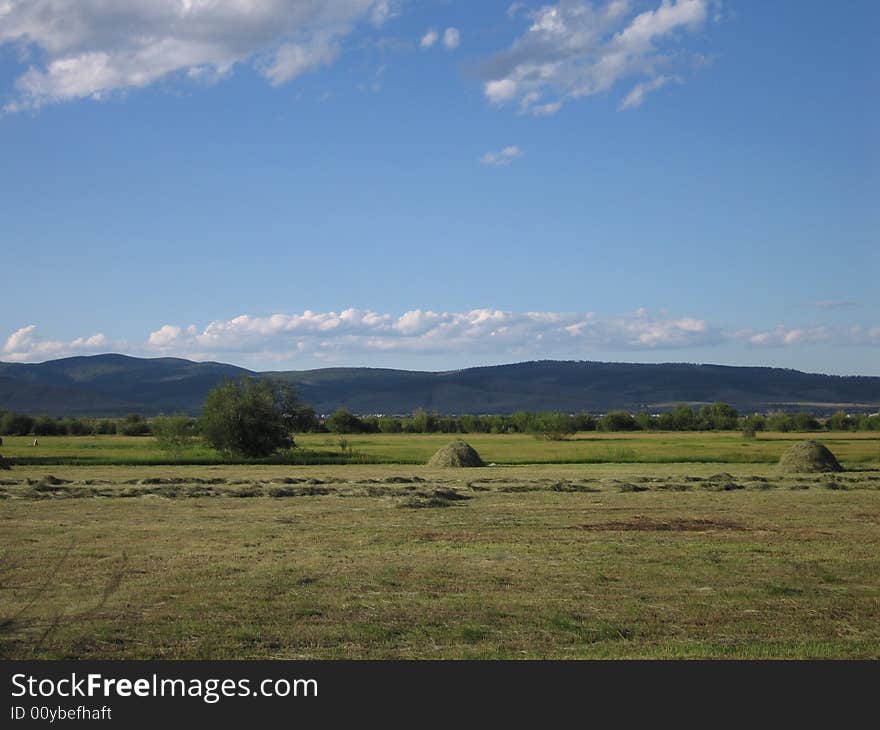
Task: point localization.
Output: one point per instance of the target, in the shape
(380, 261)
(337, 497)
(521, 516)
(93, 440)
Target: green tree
(840, 421)
(174, 434)
(343, 421)
(805, 422)
(780, 421)
(250, 418)
(46, 426)
(133, 425)
(16, 424)
(554, 426)
(683, 417)
(617, 421)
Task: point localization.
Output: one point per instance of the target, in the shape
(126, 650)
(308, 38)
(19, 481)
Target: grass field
(583, 448)
(662, 555)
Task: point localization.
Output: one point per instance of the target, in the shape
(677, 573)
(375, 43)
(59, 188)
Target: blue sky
(440, 184)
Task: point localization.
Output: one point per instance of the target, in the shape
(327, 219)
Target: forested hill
(117, 384)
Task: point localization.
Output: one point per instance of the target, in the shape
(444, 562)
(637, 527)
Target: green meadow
(603, 546)
(583, 448)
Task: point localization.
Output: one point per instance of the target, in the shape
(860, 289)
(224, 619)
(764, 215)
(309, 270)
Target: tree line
(267, 401)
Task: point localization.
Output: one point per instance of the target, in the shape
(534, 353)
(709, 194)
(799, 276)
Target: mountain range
(113, 385)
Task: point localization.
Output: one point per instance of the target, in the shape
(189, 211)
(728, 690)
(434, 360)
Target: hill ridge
(115, 384)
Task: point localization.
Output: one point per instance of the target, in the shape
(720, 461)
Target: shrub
(133, 425)
(174, 434)
(106, 426)
(250, 418)
(342, 421)
(617, 421)
(16, 424)
(554, 426)
(46, 426)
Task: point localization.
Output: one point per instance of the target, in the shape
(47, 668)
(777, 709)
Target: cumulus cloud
(451, 38)
(26, 345)
(89, 49)
(783, 336)
(363, 335)
(573, 49)
(426, 331)
(502, 157)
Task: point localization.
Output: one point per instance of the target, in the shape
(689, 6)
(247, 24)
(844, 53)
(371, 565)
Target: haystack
(808, 456)
(457, 453)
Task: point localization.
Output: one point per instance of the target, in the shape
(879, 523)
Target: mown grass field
(522, 560)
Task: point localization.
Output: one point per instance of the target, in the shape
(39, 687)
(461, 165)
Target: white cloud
(638, 93)
(294, 59)
(25, 345)
(573, 49)
(501, 90)
(429, 39)
(91, 48)
(784, 336)
(502, 157)
(837, 304)
(383, 11)
(362, 335)
(451, 38)
(425, 331)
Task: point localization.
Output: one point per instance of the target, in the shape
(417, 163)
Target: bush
(840, 421)
(554, 426)
(133, 425)
(342, 421)
(174, 434)
(617, 421)
(16, 424)
(46, 426)
(76, 427)
(106, 426)
(780, 422)
(249, 418)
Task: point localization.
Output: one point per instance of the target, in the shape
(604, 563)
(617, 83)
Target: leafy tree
(840, 421)
(249, 418)
(46, 426)
(666, 421)
(174, 434)
(617, 421)
(780, 421)
(76, 427)
(106, 426)
(303, 418)
(554, 426)
(583, 421)
(805, 422)
(16, 424)
(343, 421)
(388, 424)
(753, 423)
(645, 422)
(683, 417)
(133, 425)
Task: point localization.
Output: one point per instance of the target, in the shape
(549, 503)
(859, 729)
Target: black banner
(140, 694)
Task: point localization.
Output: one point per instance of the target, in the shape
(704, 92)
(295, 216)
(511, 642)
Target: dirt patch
(646, 524)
